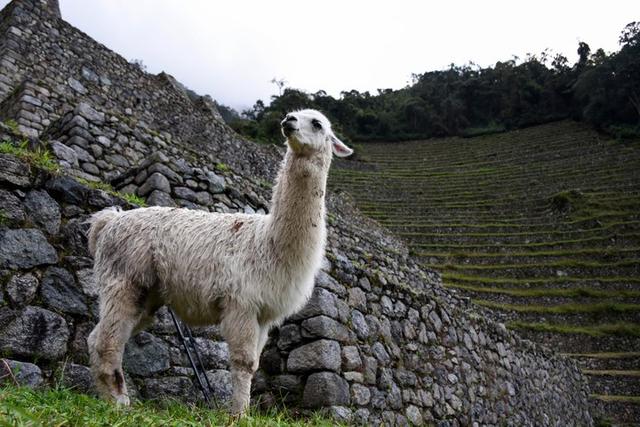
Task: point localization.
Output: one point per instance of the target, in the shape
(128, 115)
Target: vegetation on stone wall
(600, 88)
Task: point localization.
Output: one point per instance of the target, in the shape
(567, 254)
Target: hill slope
(541, 225)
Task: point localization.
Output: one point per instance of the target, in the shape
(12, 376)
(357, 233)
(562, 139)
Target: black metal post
(196, 371)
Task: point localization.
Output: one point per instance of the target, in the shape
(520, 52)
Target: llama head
(309, 131)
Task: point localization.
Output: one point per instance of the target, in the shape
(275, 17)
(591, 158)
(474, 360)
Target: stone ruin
(380, 342)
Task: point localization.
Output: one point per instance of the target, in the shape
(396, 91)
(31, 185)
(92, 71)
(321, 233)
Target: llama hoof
(122, 400)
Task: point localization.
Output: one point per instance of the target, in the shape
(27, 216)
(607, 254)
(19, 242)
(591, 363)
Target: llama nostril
(290, 119)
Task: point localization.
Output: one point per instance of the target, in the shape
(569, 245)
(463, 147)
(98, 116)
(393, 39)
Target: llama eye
(316, 124)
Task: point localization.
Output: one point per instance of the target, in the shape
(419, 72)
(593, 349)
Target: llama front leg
(242, 333)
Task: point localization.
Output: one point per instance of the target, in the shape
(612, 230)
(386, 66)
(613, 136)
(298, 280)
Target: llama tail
(98, 220)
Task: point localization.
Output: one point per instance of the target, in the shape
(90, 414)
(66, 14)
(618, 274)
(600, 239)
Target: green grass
(63, 407)
(600, 330)
(222, 167)
(535, 280)
(614, 398)
(601, 307)
(550, 292)
(606, 355)
(98, 185)
(39, 158)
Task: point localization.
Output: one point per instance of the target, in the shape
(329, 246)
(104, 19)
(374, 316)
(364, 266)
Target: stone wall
(381, 341)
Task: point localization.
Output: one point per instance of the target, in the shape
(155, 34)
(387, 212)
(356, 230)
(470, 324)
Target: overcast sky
(232, 49)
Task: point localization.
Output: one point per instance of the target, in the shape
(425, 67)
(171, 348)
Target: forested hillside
(601, 88)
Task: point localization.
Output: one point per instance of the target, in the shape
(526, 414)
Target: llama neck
(297, 223)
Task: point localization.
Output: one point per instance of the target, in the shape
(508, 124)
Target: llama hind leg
(242, 333)
(118, 317)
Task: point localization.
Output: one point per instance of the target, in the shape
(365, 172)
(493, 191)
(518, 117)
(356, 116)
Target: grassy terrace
(541, 225)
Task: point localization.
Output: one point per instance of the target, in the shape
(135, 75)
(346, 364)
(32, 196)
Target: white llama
(245, 272)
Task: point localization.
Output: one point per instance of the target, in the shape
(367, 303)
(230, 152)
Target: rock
(321, 354)
(325, 389)
(14, 171)
(26, 374)
(359, 324)
(43, 211)
(287, 384)
(176, 387)
(67, 189)
(101, 199)
(289, 336)
(185, 193)
(91, 168)
(166, 171)
(77, 377)
(25, 248)
(21, 289)
(76, 85)
(74, 235)
(89, 113)
(156, 181)
(160, 198)
(60, 292)
(33, 332)
(220, 381)
(215, 354)
(322, 302)
(351, 360)
(12, 209)
(216, 184)
(360, 394)
(87, 282)
(64, 153)
(204, 198)
(146, 355)
(357, 299)
(340, 414)
(324, 327)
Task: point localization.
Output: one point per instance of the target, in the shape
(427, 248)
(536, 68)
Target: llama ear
(339, 148)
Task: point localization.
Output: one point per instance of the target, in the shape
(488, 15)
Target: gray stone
(324, 327)
(359, 324)
(220, 380)
(160, 198)
(179, 387)
(13, 171)
(288, 337)
(25, 374)
(90, 168)
(360, 394)
(87, 282)
(117, 160)
(380, 353)
(43, 211)
(370, 369)
(33, 332)
(351, 360)
(204, 198)
(340, 414)
(80, 142)
(357, 299)
(21, 289)
(322, 302)
(166, 171)
(11, 209)
(24, 249)
(90, 75)
(65, 153)
(76, 85)
(321, 354)
(67, 189)
(146, 355)
(435, 321)
(185, 193)
(89, 113)
(60, 292)
(77, 377)
(325, 389)
(104, 141)
(156, 181)
(215, 354)
(324, 280)
(216, 183)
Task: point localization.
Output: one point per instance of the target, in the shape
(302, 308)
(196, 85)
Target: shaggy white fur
(245, 272)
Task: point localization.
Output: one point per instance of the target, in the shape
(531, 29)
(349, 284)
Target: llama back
(98, 221)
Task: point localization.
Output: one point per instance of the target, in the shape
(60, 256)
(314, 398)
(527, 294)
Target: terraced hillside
(542, 225)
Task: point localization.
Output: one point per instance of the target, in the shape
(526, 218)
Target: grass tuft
(601, 307)
(39, 158)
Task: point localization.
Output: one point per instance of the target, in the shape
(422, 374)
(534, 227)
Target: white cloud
(232, 49)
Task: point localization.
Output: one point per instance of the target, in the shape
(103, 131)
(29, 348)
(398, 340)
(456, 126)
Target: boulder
(321, 354)
(325, 389)
(25, 248)
(43, 211)
(33, 332)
